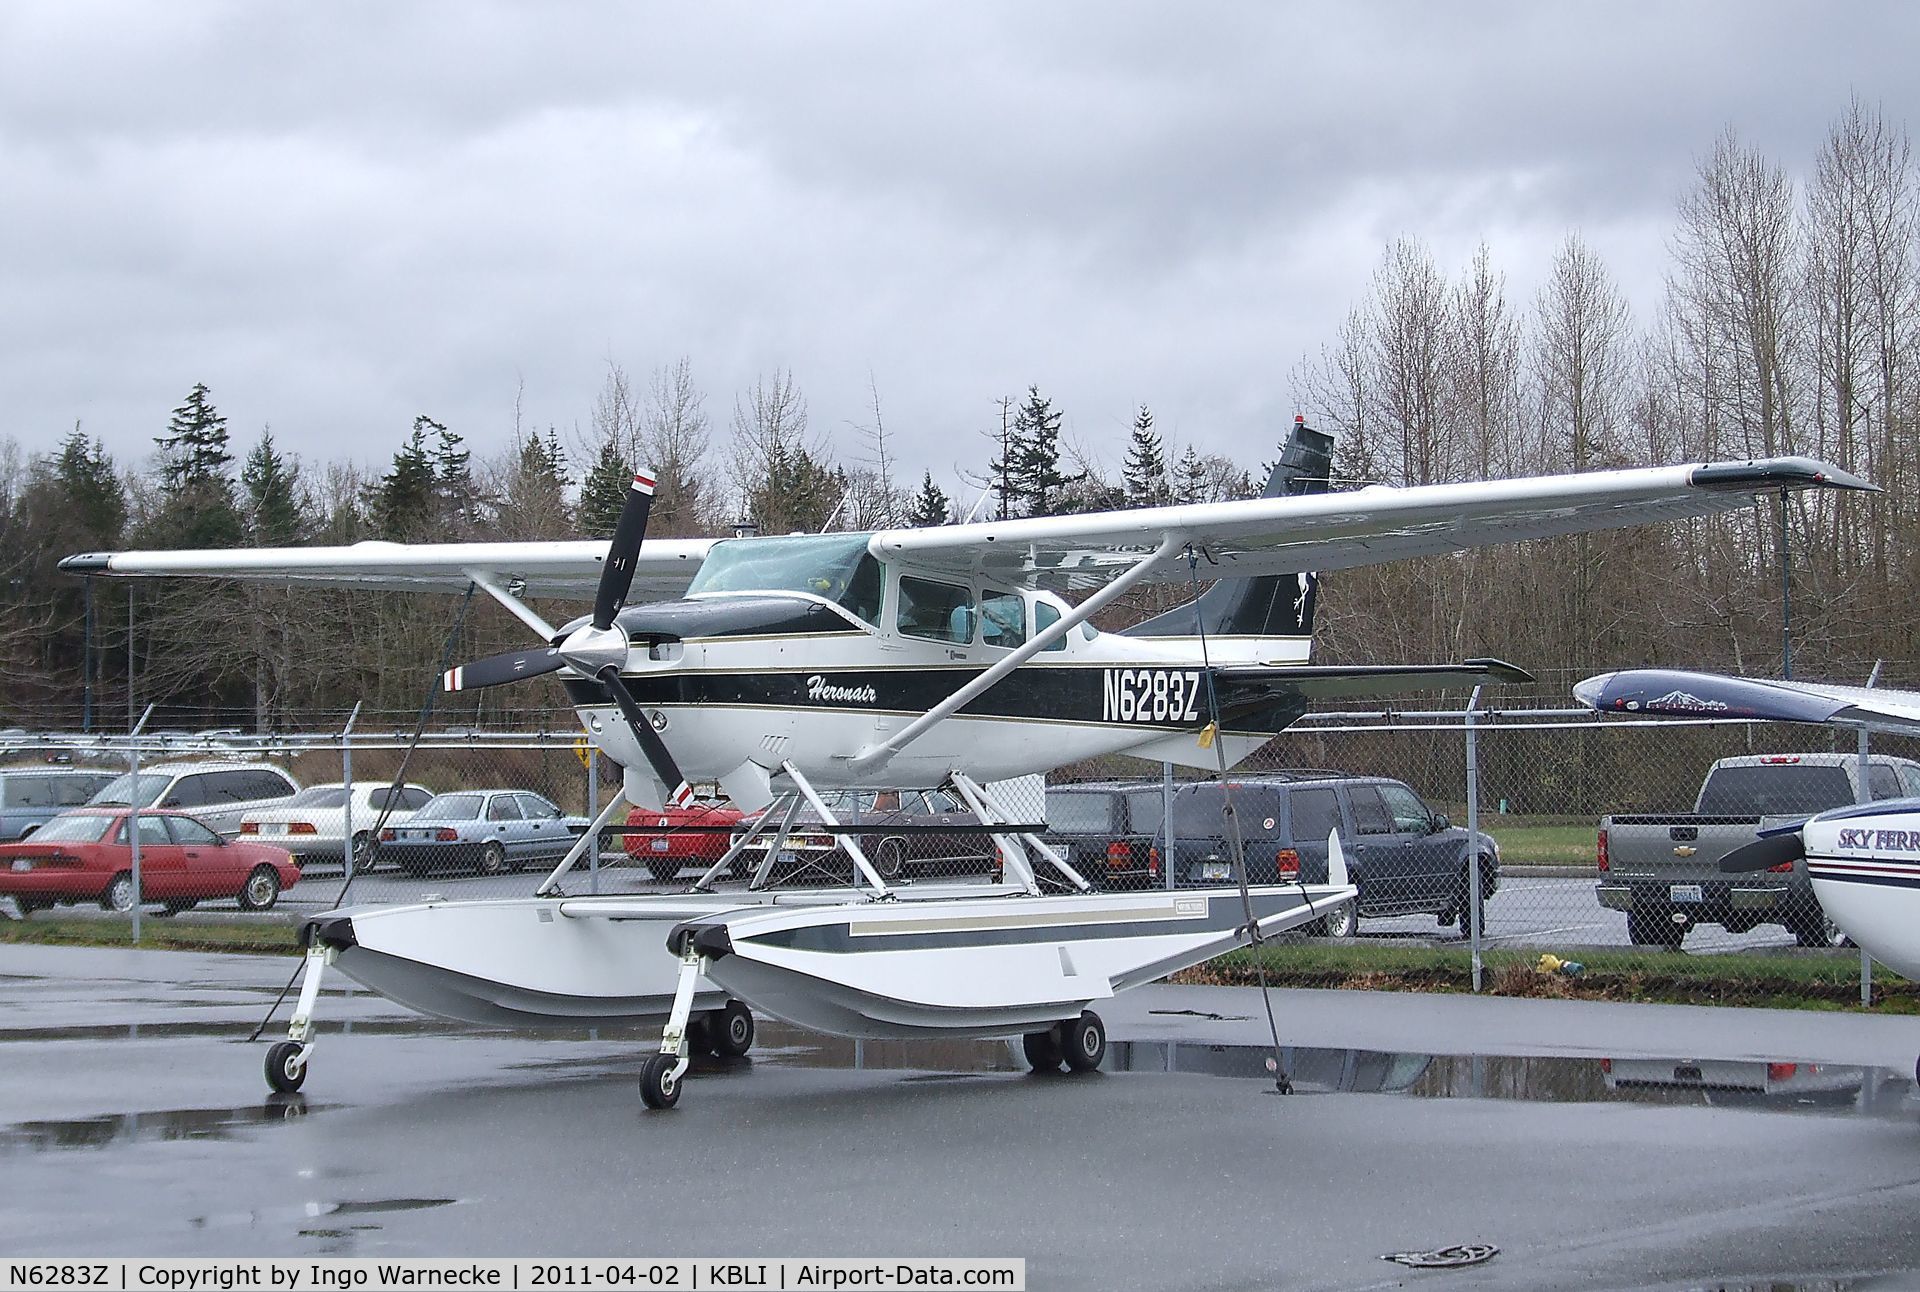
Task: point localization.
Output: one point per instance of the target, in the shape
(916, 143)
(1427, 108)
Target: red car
(661, 842)
(85, 856)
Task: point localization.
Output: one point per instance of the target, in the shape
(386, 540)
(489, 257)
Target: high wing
(1332, 531)
(1286, 535)
(1676, 693)
(560, 569)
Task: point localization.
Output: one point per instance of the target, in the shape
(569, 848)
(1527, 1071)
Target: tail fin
(1273, 608)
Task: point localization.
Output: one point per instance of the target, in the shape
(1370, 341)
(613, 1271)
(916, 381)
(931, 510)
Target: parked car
(1105, 830)
(927, 832)
(217, 793)
(1663, 869)
(32, 796)
(85, 855)
(312, 825)
(667, 841)
(1405, 858)
(485, 832)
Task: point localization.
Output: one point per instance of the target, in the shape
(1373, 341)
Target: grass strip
(155, 935)
(1790, 981)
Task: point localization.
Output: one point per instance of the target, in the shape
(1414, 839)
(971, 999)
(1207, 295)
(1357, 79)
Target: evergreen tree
(1145, 474)
(91, 496)
(405, 503)
(603, 491)
(1190, 478)
(275, 513)
(930, 506)
(1035, 468)
(197, 507)
(453, 478)
(193, 452)
(535, 489)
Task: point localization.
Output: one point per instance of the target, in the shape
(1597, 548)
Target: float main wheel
(1084, 1042)
(659, 1088)
(731, 1030)
(285, 1072)
(1042, 1050)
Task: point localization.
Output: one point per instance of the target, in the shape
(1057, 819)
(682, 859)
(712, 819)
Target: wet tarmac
(1597, 1146)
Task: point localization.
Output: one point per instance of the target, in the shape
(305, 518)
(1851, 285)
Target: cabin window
(942, 612)
(1003, 619)
(1044, 617)
(837, 567)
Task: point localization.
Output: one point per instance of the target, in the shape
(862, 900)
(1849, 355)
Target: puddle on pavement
(171, 1124)
(1783, 1086)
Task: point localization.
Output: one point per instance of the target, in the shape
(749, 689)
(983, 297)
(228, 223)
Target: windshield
(79, 827)
(121, 789)
(834, 566)
(325, 796)
(450, 807)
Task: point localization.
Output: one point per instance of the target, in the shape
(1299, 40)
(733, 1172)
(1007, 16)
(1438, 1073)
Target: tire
(659, 1088)
(493, 859)
(118, 894)
(261, 890)
(1341, 925)
(890, 859)
(284, 1072)
(1042, 1050)
(1654, 929)
(731, 1030)
(1084, 1042)
(699, 1036)
(1463, 901)
(359, 862)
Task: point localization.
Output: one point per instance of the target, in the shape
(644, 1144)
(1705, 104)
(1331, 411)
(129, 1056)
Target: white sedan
(312, 825)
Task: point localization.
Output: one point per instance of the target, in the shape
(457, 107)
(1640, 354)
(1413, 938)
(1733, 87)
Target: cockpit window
(834, 566)
(1003, 619)
(1044, 617)
(942, 611)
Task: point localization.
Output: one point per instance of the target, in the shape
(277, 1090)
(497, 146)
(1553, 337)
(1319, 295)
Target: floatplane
(959, 656)
(1863, 860)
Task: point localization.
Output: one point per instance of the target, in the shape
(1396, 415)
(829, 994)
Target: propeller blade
(616, 576)
(1764, 854)
(509, 666)
(679, 793)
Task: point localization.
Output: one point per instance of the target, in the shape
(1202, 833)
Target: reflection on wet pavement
(171, 1124)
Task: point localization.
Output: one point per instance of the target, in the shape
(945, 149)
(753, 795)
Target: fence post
(133, 813)
(1474, 895)
(346, 778)
(593, 814)
(1866, 960)
(1166, 821)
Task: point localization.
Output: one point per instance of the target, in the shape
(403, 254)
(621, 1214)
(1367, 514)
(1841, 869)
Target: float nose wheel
(286, 1066)
(660, 1081)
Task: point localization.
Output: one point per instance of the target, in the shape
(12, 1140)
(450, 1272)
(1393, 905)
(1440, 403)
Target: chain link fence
(489, 815)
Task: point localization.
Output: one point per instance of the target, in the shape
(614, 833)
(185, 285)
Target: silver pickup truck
(1663, 870)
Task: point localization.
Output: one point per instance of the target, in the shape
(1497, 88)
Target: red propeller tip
(450, 680)
(643, 482)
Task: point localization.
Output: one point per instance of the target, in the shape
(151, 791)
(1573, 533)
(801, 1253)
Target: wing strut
(874, 756)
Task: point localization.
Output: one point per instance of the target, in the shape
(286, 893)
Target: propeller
(597, 649)
(1764, 854)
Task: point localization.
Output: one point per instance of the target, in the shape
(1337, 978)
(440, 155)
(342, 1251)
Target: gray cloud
(341, 216)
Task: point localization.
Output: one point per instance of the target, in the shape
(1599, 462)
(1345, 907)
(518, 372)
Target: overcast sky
(339, 216)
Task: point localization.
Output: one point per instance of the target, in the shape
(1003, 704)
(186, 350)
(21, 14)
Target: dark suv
(1105, 830)
(1405, 858)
